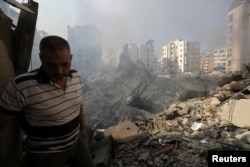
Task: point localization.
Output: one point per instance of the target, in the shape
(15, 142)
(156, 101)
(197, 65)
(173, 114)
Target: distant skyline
(137, 21)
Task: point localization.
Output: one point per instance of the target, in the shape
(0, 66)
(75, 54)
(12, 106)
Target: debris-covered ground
(157, 121)
(111, 97)
(182, 133)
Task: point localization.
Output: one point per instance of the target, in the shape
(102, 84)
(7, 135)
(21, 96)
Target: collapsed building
(139, 119)
(182, 133)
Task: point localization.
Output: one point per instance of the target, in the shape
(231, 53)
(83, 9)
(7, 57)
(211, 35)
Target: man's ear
(71, 57)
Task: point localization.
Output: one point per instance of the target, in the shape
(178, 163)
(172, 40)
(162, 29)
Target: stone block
(123, 132)
(237, 112)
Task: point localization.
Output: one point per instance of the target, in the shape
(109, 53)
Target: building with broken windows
(181, 56)
(238, 35)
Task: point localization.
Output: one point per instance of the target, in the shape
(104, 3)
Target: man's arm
(83, 129)
(4, 120)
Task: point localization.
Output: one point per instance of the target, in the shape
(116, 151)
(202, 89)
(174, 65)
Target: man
(48, 103)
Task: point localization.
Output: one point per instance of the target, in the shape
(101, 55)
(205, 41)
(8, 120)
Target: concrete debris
(123, 132)
(182, 133)
(237, 112)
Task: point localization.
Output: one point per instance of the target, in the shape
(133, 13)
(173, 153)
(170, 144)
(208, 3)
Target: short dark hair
(53, 43)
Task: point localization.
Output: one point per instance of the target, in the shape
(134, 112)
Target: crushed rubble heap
(109, 100)
(133, 91)
(182, 133)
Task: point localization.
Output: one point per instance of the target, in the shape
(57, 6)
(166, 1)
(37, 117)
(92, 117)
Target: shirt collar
(42, 77)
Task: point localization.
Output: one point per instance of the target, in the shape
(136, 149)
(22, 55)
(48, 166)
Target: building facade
(143, 52)
(207, 62)
(181, 56)
(147, 54)
(221, 57)
(238, 35)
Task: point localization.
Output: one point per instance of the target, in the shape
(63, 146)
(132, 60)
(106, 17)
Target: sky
(137, 21)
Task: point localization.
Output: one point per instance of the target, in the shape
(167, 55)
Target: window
(230, 18)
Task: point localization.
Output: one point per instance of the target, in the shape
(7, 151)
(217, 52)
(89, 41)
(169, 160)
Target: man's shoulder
(31, 75)
(74, 73)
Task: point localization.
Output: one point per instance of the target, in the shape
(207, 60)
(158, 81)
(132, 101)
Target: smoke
(130, 21)
(135, 21)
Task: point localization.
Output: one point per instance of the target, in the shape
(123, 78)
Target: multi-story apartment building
(238, 35)
(181, 56)
(86, 47)
(144, 53)
(147, 54)
(207, 62)
(221, 59)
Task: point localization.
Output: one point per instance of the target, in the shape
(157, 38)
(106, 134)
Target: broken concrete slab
(123, 132)
(237, 112)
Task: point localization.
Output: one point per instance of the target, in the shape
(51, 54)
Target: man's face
(56, 64)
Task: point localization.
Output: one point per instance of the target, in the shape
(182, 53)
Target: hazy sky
(137, 21)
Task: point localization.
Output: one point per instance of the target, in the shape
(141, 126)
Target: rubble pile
(133, 91)
(156, 121)
(109, 99)
(182, 133)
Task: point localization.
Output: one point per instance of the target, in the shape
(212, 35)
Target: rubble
(123, 132)
(237, 112)
(162, 122)
(133, 91)
(183, 133)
